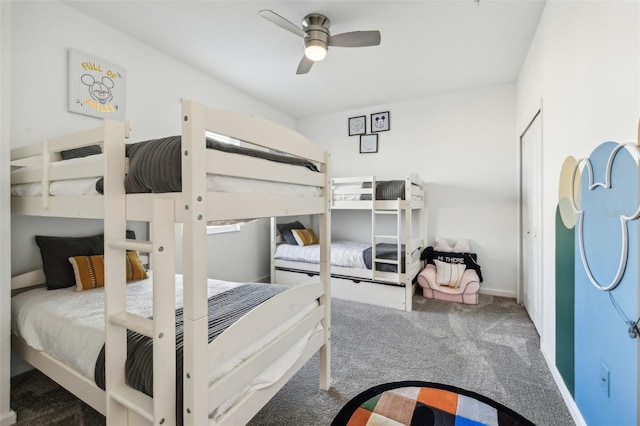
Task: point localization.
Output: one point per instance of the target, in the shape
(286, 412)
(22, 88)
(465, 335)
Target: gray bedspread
(224, 309)
(384, 251)
(386, 190)
(156, 165)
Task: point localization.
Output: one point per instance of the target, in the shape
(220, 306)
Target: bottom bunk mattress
(69, 325)
(348, 254)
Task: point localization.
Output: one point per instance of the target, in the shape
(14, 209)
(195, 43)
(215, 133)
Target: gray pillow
(84, 151)
(56, 251)
(285, 230)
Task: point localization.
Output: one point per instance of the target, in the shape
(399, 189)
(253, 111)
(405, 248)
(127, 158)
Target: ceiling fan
(317, 38)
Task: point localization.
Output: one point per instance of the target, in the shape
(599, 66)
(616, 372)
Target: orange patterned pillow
(89, 270)
(304, 237)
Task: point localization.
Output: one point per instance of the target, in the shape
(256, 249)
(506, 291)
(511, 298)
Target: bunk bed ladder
(125, 405)
(376, 237)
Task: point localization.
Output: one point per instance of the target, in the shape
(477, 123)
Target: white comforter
(70, 325)
(343, 253)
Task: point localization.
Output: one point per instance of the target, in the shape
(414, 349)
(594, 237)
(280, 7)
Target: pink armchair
(467, 291)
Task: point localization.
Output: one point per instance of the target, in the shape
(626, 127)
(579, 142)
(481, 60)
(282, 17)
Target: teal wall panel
(565, 298)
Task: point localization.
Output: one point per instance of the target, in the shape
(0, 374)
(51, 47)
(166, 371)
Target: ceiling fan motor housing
(316, 26)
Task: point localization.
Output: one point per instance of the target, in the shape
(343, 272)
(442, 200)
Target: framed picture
(368, 144)
(357, 125)
(380, 122)
(96, 87)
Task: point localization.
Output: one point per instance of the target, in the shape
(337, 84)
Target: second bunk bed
(197, 372)
(379, 269)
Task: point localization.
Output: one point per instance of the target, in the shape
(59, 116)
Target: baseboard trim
(19, 367)
(564, 391)
(8, 418)
(264, 279)
(497, 292)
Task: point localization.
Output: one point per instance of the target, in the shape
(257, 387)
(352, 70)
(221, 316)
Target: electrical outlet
(604, 379)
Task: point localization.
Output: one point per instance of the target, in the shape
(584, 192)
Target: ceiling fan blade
(304, 66)
(355, 39)
(282, 22)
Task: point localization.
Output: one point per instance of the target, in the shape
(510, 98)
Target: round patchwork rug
(424, 403)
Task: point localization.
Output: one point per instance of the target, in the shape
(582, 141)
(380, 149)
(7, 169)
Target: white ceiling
(428, 47)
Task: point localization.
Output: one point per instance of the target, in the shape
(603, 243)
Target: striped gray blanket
(386, 190)
(224, 309)
(156, 165)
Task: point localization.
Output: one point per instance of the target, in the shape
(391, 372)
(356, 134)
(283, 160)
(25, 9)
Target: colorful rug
(414, 403)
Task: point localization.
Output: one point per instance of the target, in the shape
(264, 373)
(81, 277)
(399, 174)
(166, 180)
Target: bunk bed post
(164, 303)
(408, 246)
(272, 271)
(373, 227)
(325, 279)
(194, 266)
(115, 225)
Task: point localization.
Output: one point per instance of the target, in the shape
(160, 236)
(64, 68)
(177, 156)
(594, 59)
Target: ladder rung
(133, 322)
(389, 261)
(391, 237)
(134, 400)
(143, 246)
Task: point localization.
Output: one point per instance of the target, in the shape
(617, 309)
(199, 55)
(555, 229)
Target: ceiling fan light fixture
(315, 53)
(315, 50)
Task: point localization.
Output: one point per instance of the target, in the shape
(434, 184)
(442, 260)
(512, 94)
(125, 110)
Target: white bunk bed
(392, 287)
(308, 306)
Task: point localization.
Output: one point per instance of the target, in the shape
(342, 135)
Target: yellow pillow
(89, 270)
(304, 237)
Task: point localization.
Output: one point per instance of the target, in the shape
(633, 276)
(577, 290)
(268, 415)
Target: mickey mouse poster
(96, 87)
(380, 122)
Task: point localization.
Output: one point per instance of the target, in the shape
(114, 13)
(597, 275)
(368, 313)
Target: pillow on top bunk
(304, 237)
(449, 274)
(89, 270)
(84, 151)
(56, 251)
(285, 230)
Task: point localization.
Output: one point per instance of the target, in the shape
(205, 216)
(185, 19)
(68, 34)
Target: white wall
(42, 33)
(464, 145)
(584, 65)
(7, 416)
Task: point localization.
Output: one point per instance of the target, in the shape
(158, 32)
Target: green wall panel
(565, 301)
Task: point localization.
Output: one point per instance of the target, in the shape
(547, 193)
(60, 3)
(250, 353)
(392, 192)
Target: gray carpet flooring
(491, 349)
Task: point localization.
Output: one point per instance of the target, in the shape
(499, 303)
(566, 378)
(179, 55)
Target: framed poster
(96, 87)
(357, 125)
(368, 144)
(380, 122)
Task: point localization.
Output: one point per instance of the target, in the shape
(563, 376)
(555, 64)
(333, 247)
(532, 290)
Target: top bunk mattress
(385, 190)
(155, 166)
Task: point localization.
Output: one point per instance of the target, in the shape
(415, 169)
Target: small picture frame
(380, 122)
(358, 125)
(368, 144)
